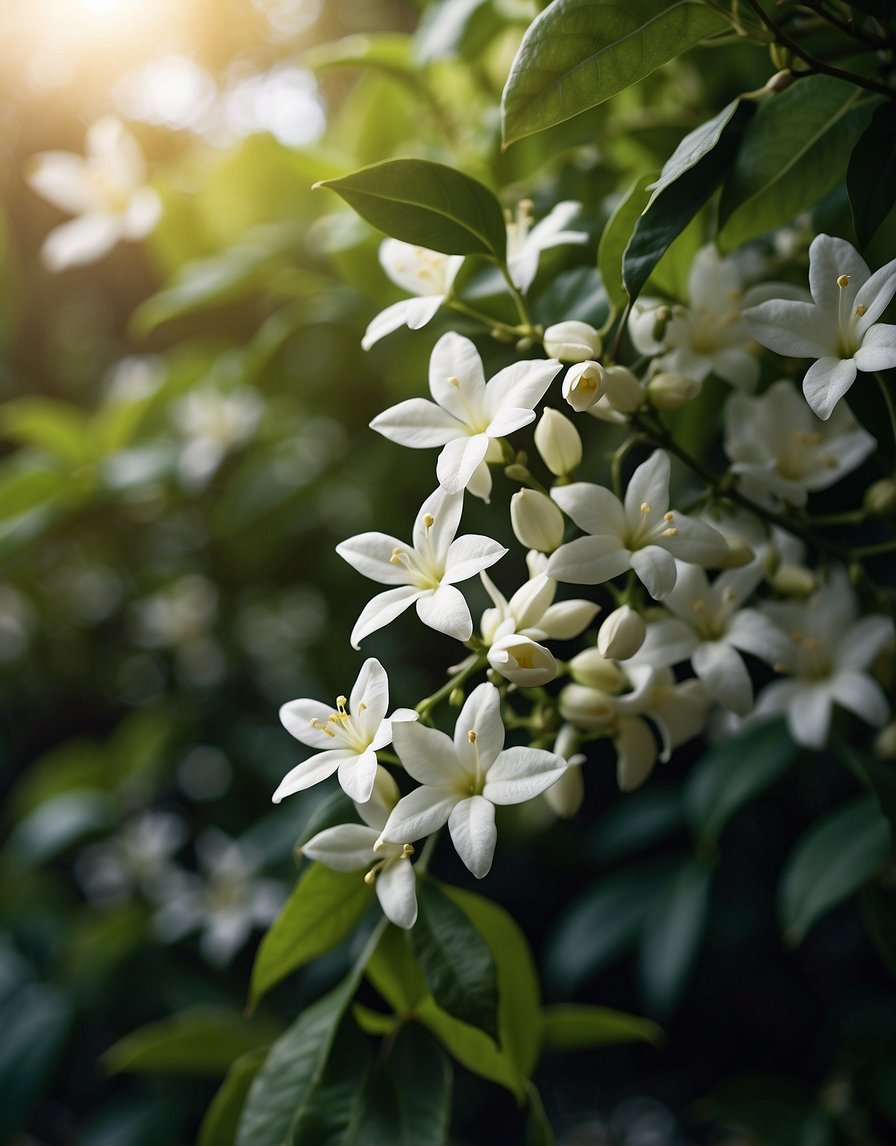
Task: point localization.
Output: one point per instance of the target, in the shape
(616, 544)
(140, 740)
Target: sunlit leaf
(616, 235)
(57, 427)
(570, 1026)
(450, 28)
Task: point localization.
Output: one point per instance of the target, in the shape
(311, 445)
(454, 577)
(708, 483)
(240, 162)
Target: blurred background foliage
(184, 441)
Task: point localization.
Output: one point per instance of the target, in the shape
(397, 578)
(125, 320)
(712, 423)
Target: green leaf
(673, 205)
(373, 1022)
(58, 823)
(456, 960)
(579, 53)
(871, 173)
(452, 28)
(395, 973)
(727, 777)
(879, 913)
(389, 51)
(671, 937)
(696, 145)
(879, 776)
(616, 235)
(570, 1026)
(330, 1114)
(27, 487)
(831, 861)
(428, 204)
(199, 1041)
(222, 1117)
(793, 153)
(539, 1131)
(324, 907)
(57, 427)
(636, 823)
(35, 1022)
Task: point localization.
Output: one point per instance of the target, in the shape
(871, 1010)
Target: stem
(848, 26)
(455, 682)
(888, 401)
(429, 847)
(520, 304)
(486, 319)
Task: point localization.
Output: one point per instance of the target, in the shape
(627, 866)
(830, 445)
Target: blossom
(833, 649)
(213, 422)
(463, 779)
(427, 275)
(781, 452)
(425, 573)
(138, 858)
(640, 534)
(839, 328)
(106, 190)
(525, 242)
(349, 735)
(468, 413)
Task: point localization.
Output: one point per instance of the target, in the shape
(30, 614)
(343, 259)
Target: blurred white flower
(138, 859)
(213, 423)
(525, 242)
(427, 275)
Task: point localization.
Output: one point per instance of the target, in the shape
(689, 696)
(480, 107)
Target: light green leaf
(571, 1026)
(373, 1022)
(25, 487)
(199, 1041)
(579, 53)
(222, 1117)
(539, 1131)
(671, 937)
(728, 776)
(60, 822)
(390, 51)
(324, 907)
(793, 153)
(57, 427)
(456, 960)
(428, 204)
(616, 235)
(695, 146)
(831, 861)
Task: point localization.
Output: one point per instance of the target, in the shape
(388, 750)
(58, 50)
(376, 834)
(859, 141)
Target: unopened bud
(671, 391)
(456, 697)
(566, 795)
(572, 341)
(537, 521)
(738, 555)
(516, 472)
(590, 709)
(622, 389)
(780, 80)
(558, 443)
(885, 742)
(792, 580)
(590, 668)
(522, 661)
(662, 316)
(621, 634)
(880, 499)
(583, 385)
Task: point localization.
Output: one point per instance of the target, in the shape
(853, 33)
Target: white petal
(863, 640)
(356, 776)
(456, 378)
(382, 609)
(589, 560)
(428, 756)
(878, 349)
(83, 240)
(446, 611)
(395, 316)
(301, 719)
(458, 461)
(695, 542)
(445, 510)
(371, 690)
(347, 847)
(796, 329)
(649, 485)
(61, 178)
(668, 642)
(520, 774)
(875, 295)
(593, 508)
(311, 772)
(521, 385)
(809, 715)
(636, 753)
(825, 383)
(861, 695)
(396, 889)
(829, 259)
(752, 632)
(369, 554)
(481, 713)
(142, 214)
(567, 619)
(656, 568)
(469, 555)
(420, 814)
(473, 833)
(418, 423)
(725, 675)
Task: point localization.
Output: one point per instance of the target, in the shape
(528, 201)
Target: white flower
(839, 327)
(428, 275)
(642, 534)
(558, 442)
(468, 413)
(425, 573)
(213, 422)
(781, 452)
(833, 650)
(462, 780)
(525, 242)
(138, 858)
(349, 735)
(106, 190)
(572, 341)
(583, 385)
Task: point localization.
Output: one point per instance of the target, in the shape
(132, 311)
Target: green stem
(520, 304)
(486, 319)
(455, 682)
(888, 402)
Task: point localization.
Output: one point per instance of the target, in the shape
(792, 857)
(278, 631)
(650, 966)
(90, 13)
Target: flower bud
(621, 634)
(885, 742)
(583, 385)
(566, 795)
(558, 442)
(571, 341)
(738, 555)
(522, 661)
(591, 709)
(671, 391)
(880, 499)
(590, 668)
(537, 521)
(793, 580)
(622, 389)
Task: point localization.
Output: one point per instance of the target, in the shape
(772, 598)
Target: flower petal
(357, 775)
(428, 756)
(445, 610)
(370, 555)
(521, 774)
(469, 555)
(589, 560)
(458, 461)
(473, 833)
(481, 714)
(829, 259)
(862, 696)
(382, 609)
(593, 508)
(369, 698)
(825, 383)
(725, 675)
(796, 329)
(649, 485)
(311, 772)
(83, 240)
(456, 378)
(657, 570)
(878, 349)
(396, 889)
(419, 814)
(418, 423)
(347, 847)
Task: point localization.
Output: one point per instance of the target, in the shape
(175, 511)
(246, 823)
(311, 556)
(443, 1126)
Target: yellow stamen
(645, 507)
(471, 736)
(843, 281)
(670, 532)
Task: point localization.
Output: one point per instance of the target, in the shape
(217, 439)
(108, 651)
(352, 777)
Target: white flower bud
(880, 498)
(583, 385)
(566, 795)
(537, 521)
(621, 634)
(558, 442)
(568, 619)
(670, 391)
(591, 709)
(622, 389)
(571, 341)
(738, 555)
(791, 580)
(636, 752)
(590, 668)
(522, 661)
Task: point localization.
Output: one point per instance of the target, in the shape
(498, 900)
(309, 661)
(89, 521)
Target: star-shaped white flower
(464, 778)
(427, 275)
(425, 573)
(349, 735)
(468, 413)
(641, 534)
(106, 190)
(839, 327)
(525, 242)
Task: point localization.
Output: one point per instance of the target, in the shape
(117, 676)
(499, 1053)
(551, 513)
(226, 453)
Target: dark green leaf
(395, 973)
(35, 1022)
(407, 1102)
(793, 153)
(728, 776)
(879, 913)
(428, 204)
(871, 173)
(539, 1131)
(673, 206)
(616, 235)
(570, 1026)
(579, 53)
(324, 907)
(879, 776)
(577, 294)
(330, 1114)
(222, 1117)
(60, 822)
(456, 960)
(635, 823)
(671, 937)
(831, 861)
(696, 145)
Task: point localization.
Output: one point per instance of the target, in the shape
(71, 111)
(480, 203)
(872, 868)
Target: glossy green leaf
(871, 173)
(222, 1117)
(733, 773)
(879, 776)
(428, 204)
(395, 973)
(636, 823)
(539, 1131)
(407, 1099)
(199, 1041)
(456, 960)
(321, 911)
(671, 937)
(673, 205)
(330, 1113)
(570, 1026)
(792, 154)
(696, 145)
(578, 53)
(831, 861)
(616, 235)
